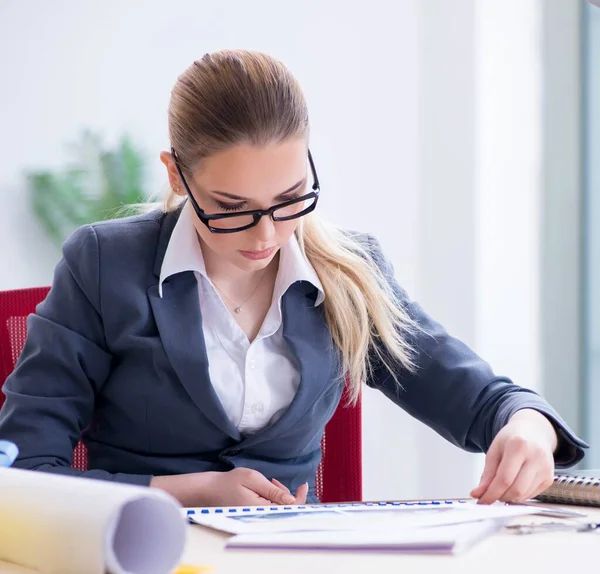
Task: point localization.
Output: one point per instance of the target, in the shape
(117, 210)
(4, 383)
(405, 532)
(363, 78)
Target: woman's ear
(174, 180)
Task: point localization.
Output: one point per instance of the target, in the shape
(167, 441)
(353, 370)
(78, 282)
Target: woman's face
(242, 178)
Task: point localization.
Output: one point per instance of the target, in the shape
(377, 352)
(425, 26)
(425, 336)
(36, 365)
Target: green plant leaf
(96, 184)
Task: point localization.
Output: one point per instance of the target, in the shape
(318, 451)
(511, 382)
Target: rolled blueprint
(58, 524)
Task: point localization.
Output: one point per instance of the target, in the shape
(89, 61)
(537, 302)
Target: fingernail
(288, 499)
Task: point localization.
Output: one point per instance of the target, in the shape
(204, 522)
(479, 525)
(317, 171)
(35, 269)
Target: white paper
(355, 518)
(66, 525)
(451, 539)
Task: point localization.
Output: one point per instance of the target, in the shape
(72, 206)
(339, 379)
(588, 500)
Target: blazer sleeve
(454, 391)
(50, 394)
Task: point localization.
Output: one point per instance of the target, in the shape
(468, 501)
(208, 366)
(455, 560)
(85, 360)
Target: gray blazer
(108, 360)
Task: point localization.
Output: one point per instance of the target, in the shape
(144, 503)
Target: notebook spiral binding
(569, 489)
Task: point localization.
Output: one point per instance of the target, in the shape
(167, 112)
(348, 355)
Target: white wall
(446, 267)
(508, 185)
(480, 193)
(592, 237)
(561, 308)
(405, 116)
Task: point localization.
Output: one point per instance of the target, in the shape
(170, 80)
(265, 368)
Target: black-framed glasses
(241, 220)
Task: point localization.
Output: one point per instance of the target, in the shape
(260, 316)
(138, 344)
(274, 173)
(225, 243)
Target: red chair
(339, 476)
(14, 308)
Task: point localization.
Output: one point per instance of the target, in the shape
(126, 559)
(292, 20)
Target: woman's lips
(256, 255)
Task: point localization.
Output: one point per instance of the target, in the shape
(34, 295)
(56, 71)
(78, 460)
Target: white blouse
(257, 381)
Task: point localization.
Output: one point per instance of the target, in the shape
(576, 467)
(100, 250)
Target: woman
(201, 349)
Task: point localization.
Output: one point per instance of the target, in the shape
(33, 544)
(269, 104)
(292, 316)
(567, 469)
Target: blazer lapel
(306, 333)
(179, 322)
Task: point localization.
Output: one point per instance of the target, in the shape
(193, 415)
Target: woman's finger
(273, 493)
(545, 475)
(492, 460)
(250, 498)
(513, 458)
(541, 486)
(302, 493)
(528, 477)
(281, 485)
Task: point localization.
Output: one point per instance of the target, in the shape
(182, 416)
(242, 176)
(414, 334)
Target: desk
(542, 553)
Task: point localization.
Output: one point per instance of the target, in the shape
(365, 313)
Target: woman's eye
(230, 206)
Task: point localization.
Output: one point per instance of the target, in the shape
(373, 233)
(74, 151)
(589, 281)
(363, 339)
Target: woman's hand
(238, 487)
(519, 463)
(301, 492)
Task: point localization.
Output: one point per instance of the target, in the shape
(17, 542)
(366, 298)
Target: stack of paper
(434, 539)
(430, 527)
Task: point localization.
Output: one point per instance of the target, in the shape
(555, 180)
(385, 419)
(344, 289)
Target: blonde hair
(236, 96)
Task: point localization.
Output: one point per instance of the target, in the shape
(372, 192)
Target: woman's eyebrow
(240, 198)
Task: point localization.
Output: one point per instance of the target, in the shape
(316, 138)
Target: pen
(550, 511)
(189, 569)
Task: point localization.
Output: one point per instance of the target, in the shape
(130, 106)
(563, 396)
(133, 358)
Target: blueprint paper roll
(58, 524)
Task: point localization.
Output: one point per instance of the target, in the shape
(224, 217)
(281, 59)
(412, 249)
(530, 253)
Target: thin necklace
(239, 308)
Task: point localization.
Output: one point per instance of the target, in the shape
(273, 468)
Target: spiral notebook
(580, 487)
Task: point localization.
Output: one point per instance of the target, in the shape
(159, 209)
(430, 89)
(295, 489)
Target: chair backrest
(15, 306)
(339, 476)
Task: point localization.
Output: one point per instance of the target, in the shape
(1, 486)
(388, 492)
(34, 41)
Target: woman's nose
(264, 229)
